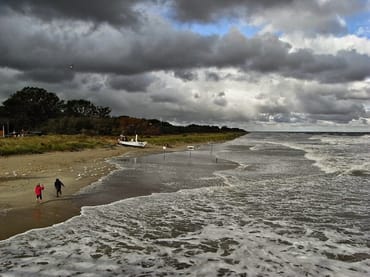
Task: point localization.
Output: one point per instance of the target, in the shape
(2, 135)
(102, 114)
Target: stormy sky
(254, 64)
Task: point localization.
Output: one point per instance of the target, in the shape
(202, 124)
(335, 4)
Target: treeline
(34, 111)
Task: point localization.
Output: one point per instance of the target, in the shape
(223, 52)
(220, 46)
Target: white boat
(133, 143)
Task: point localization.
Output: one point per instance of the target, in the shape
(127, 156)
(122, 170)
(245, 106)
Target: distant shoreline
(316, 132)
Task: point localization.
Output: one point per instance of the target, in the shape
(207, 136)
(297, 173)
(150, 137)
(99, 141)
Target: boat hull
(140, 144)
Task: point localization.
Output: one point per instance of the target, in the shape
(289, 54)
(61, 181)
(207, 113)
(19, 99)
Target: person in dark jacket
(58, 186)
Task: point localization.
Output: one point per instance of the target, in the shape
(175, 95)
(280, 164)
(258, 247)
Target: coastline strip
(19, 174)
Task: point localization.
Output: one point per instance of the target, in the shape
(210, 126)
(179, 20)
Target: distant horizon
(319, 132)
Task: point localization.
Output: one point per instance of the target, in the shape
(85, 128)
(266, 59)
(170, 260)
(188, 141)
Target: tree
(31, 106)
(103, 112)
(84, 108)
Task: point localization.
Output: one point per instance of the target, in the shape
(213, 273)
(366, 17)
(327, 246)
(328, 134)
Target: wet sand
(153, 173)
(19, 210)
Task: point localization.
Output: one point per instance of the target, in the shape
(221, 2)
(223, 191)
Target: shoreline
(19, 174)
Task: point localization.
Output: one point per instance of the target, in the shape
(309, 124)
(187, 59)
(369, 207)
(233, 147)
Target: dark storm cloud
(272, 108)
(196, 96)
(91, 82)
(212, 76)
(120, 13)
(210, 10)
(345, 66)
(96, 87)
(313, 104)
(47, 75)
(116, 12)
(266, 54)
(338, 118)
(25, 47)
(164, 98)
(355, 94)
(330, 107)
(133, 83)
(186, 75)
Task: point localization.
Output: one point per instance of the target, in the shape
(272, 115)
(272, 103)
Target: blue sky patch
(359, 24)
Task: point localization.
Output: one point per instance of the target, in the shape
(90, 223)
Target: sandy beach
(19, 210)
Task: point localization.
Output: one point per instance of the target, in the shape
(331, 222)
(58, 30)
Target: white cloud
(328, 44)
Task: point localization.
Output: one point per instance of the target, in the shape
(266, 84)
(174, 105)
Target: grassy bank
(51, 143)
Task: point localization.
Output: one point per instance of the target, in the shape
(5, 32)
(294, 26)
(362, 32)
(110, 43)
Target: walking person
(38, 191)
(58, 186)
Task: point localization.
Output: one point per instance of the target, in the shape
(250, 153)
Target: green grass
(51, 143)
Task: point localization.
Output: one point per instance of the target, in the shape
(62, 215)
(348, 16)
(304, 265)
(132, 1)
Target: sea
(264, 204)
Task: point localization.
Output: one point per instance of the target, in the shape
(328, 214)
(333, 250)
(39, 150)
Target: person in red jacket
(38, 191)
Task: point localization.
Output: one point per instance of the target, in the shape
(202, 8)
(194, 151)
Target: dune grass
(51, 143)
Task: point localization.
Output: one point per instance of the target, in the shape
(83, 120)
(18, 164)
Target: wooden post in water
(164, 152)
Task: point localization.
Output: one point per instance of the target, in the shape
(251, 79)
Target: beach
(271, 204)
(19, 174)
